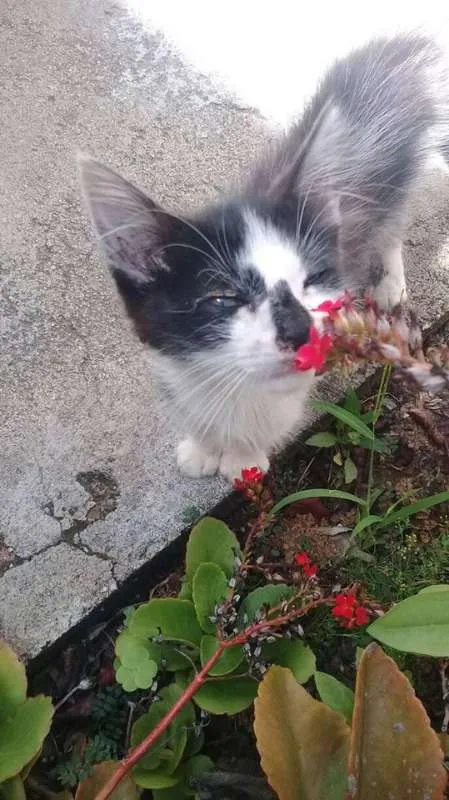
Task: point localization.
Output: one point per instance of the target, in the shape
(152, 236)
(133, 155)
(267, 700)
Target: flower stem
(127, 763)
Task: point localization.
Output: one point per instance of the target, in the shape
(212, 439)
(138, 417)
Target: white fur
(242, 401)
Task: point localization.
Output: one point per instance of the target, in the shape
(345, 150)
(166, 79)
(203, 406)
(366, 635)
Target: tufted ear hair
(131, 228)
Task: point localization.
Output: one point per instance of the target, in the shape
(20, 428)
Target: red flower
(252, 475)
(361, 616)
(251, 479)
(330, 307)
(303, 560)
(312, 355)
(349, 611)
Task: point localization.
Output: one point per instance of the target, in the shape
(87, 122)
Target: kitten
(225, 297)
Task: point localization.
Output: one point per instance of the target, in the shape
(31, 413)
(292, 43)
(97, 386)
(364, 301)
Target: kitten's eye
(221, 302)
(318, 278)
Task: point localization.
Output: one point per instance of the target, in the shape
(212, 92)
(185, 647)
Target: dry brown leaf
(303, 744)
(394, 752)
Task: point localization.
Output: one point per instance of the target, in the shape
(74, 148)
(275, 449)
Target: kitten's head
(236, 283)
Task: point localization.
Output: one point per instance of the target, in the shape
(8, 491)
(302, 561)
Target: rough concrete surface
(88, 484)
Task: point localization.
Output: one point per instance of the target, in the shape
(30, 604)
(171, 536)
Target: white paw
(232, 463)
(194, 461)
(389, 293)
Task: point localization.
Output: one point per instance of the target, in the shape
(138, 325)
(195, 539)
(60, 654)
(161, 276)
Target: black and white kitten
(225, 297)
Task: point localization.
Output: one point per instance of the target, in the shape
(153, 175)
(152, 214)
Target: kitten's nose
(291, 319)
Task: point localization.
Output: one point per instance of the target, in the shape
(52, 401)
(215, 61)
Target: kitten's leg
(391, 289)
(233, 461)
(391, 293)
(195, 460)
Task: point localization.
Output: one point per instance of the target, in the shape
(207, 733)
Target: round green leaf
(226, 696)
(211, 540)
(269, 595)
(141, 728)
(13, 789)
(139, 677)
(335, 694)
(209, 588)
(22, 734)
(155, 779)
(173, 618)
(437, 587)
(131, 650)
(323, 439)
(419, 624)
(294, 654)
(13, 682)
(191, 769)
(228, 662)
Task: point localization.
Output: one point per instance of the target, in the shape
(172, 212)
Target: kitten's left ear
(131, 228)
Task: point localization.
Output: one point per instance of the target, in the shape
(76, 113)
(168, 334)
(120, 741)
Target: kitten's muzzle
(291, 319)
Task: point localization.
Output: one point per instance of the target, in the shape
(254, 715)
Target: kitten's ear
(312, 170)
(131, 228)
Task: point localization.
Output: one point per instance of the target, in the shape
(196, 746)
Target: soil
(417, 428)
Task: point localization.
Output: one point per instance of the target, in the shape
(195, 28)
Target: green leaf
(419, 624)
(354, 437)
(294, 654)
(89, 788)
(136, 667)
(13, 789)
(335, 694)
(323, 439)
(154, 779)
(227, 663)
(211, 540)
(209, 588)
(414, 508)
(345, 416)
(13, 682)
(185, 592)
(228, 696)
(352, 402)
(22, 734)
(437, 587)
(163, 758)
(265, 596)
(350, 470)
(191, 769)
(365, 522)
(303, 744)
(377, 445)
(139, 677)
(338, 459)
(309, 494)
(173, 618)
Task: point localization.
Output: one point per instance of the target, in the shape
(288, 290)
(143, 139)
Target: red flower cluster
(312, 355)
(251, 479)
(303, 560)
(331, 307)
(349, 612)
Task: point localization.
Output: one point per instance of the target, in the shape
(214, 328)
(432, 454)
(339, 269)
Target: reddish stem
(141, 749)
(127, 763)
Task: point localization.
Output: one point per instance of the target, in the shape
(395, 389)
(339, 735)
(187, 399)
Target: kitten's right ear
(131, 228)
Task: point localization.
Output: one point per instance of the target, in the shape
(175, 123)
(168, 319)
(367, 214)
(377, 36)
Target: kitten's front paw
(194, 460)
(389, 293)
(231, 464)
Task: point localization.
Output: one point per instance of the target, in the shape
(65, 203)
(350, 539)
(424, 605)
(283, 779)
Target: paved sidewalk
(88, 485)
